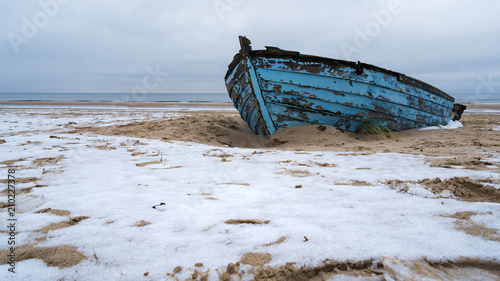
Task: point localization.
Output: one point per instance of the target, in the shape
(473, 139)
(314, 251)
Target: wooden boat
(274, 89)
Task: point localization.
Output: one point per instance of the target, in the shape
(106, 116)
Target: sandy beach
(177, 192)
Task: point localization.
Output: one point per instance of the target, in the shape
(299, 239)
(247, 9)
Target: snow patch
(153, 218)
(451, 125)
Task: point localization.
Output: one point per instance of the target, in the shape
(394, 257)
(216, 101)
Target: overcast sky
(185, 46)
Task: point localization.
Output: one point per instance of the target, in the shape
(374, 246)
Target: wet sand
(483, 106)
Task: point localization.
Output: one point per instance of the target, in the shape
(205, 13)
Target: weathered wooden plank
(288, 116)
(340, 85)
(324, 100)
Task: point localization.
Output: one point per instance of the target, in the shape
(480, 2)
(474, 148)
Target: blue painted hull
(275, 89)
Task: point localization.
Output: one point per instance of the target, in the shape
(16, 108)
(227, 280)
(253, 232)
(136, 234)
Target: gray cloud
(105, 46)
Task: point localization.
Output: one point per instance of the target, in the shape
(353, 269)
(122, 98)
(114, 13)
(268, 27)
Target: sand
(468, 144)
(63, 224)
(256, 259)
(54, 211)
(462, 188)
(387, 269)
(465, 148)
(235, 221)
(226, 128)
(57, 256)
(464, 223)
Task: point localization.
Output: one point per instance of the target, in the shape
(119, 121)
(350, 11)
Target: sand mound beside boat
(464, 147)
(311, 136)
(213, 128)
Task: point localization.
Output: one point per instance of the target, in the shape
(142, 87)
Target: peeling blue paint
(275, 89)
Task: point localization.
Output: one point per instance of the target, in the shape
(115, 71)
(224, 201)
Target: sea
(119, 97)
(467, 98)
